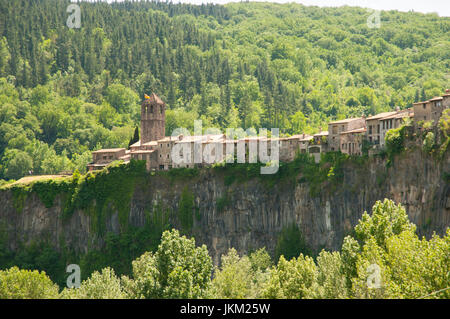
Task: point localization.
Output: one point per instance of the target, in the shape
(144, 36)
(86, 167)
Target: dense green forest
(66, 92)
(383, 258)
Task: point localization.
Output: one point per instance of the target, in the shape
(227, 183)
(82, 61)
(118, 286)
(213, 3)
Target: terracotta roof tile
(109, 150)
(346, 120)
(380, 115)
(357, 130)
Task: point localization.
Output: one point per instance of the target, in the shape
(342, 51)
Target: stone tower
(153, 119)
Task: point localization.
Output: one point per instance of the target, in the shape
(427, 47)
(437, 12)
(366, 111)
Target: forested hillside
(65, 92)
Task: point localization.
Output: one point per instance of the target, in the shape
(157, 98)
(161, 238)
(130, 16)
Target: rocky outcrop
(251, 214)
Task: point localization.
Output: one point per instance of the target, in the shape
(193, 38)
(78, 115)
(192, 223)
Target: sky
(441, 7)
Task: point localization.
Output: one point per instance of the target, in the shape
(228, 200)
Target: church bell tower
(153, 119)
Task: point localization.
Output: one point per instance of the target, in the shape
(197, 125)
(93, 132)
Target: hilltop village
(345, 135)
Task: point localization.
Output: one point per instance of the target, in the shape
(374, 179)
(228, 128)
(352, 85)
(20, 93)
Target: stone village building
(343, 135)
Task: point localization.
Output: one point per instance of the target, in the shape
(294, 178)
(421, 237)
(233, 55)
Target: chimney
(447, 91)
(397, 108)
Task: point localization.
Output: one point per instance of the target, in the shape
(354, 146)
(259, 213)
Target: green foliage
(37, 255)
(290, 243)
(331, 280)
(94, 192)
(327, 174)
(180, 173)
(395, 141)
(121, 249)
(444, 125)
(260, 260)
(409, 268)
(26, 284)
(292, 279)
(240, 277)
(186, 209)
(101, 285)
(18, 163)
(387, 220)
(177, 269)
(428, 142)
(113, 185)
(118, 252)
(123, 99)
(135, 137)
(19, 196)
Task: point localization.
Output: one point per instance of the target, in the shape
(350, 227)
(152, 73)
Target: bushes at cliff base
(383, 259)
(17, 283)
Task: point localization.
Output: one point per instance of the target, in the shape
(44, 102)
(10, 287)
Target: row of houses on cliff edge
(345, 135)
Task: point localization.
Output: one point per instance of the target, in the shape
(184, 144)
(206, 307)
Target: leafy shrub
(428, 142)
(178, 269)
(26, 284)
(395, 140)
(100, 285)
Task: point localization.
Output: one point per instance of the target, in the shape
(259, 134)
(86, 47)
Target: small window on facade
(151, 108)
(167, 155)
(424, 106)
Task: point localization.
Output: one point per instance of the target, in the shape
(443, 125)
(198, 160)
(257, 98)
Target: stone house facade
(337, 127)
(351, 141)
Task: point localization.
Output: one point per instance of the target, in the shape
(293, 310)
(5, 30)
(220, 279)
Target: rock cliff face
(252, 214)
